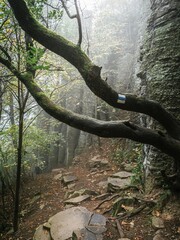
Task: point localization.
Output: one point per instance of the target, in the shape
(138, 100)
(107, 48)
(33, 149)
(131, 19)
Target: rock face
(160, 71)
(74, 223)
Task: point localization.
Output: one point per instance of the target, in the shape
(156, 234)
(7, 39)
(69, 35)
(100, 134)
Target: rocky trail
(99, 195)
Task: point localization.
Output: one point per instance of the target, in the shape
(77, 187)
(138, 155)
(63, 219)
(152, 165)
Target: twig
(121, 233)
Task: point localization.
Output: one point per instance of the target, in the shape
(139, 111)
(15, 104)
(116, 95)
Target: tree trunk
(18, 176)
(160, 71)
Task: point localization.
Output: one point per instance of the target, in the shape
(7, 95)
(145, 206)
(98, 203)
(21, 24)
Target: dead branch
(121, 233)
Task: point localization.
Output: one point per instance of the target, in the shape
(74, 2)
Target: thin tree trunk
(18, 176)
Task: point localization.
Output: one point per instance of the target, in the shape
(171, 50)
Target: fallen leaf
(127, 208)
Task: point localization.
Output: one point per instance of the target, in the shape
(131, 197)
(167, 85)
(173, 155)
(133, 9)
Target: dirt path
(43, 197)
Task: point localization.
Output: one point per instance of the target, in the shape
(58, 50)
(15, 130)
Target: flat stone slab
(98, 162)
(69, 179)
(78, 199)
(79, 222)
(118, 183)
(122, 174)
(81, 192)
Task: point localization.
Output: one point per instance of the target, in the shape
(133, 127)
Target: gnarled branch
(107, 129)
(91, 74)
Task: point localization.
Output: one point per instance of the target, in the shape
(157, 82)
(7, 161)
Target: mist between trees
(93, 91)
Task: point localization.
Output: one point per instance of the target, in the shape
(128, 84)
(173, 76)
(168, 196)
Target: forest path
(44, 196)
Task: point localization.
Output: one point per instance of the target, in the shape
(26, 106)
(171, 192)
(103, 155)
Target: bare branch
(79, 23)
(77, 16)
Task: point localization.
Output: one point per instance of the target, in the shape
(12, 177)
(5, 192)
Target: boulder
(77, 223)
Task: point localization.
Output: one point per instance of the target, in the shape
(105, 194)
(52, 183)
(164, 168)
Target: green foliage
(55, 14)
(35, 140)
(138, 169)
(34, 54)
(130, 154)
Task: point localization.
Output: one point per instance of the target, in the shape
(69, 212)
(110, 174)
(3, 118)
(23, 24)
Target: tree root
(106, 200)
(133, 212)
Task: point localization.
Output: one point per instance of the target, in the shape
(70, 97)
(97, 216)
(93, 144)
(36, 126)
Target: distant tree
(168, 142)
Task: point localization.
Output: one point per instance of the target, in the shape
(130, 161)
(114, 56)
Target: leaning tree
(167, 141)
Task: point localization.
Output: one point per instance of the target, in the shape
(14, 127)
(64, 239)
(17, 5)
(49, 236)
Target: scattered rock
(77, 200)
(58, 177)
(46, 225)
(122, 175)
(71, 186)
(69, 179)
(158, 236)
(80, 193)
(157, 222)
(42, 234)
(77, 223)
(116, 184)
(97, 162)
(119, 181)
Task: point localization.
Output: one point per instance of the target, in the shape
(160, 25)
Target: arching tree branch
(91, 73)
(112, 129)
